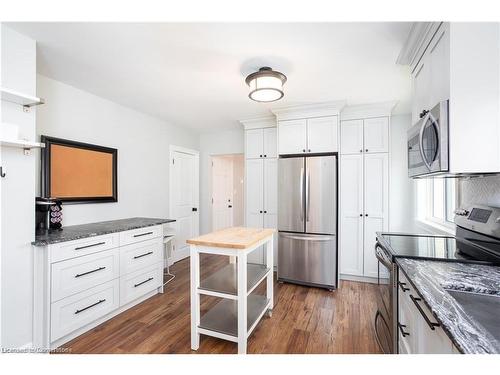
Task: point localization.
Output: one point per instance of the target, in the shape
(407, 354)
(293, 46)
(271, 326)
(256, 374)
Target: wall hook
(2, 174)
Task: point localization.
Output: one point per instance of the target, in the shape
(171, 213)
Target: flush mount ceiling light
(266, 85)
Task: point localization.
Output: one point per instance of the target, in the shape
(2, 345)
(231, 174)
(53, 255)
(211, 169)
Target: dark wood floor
(304, 320)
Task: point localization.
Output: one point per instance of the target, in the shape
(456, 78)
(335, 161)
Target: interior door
(292, 137)
(222, 193)
(321, 195)
(291, 185)
(322, 134)
(351, 228)
(376, 134)
(184, 185)
(351, 137)
(376, 185)
(271, 199)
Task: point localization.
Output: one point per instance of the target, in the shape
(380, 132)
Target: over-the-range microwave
(428, 143)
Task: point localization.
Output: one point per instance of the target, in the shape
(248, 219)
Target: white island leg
(195, 297)
(242, 303)
(270, 276)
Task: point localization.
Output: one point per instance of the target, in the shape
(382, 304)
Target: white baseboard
(362, 279)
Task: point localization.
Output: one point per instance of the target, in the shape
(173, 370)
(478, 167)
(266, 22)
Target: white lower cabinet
(79, 284)
(418, 330)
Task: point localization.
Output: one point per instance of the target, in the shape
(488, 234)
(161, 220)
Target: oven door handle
(380, 256)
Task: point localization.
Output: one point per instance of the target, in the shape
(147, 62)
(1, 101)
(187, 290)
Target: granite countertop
(75, 232)
(432, 278)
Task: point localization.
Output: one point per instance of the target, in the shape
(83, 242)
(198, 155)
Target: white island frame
(233, 283)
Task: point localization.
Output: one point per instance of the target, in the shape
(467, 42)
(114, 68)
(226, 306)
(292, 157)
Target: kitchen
(363, 216)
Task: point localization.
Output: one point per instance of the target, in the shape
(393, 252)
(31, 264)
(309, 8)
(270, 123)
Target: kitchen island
(237, 314)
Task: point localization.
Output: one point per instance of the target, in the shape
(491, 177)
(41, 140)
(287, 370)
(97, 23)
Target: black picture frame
(45, 169)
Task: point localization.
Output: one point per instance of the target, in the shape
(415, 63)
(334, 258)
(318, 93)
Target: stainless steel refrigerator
(307, 220)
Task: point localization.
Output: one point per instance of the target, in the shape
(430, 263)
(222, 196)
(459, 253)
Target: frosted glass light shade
(266, 85)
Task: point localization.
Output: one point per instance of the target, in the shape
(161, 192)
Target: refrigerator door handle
(308, 195)
(301, 193)
(309, 238)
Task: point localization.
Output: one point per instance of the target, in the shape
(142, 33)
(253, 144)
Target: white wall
(17, 201)
(142, 142)
(401, 188)
(217, 143)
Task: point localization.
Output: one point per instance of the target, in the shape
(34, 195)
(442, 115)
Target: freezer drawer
(308, 259)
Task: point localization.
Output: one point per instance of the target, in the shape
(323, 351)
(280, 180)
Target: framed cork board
(76, 172)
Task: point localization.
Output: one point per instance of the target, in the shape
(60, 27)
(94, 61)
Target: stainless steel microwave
(428, 143)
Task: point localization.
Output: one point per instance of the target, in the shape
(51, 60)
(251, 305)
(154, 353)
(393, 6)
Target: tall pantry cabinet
(261, 179)
(364, 192)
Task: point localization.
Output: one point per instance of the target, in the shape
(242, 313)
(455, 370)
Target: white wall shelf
(19, 98)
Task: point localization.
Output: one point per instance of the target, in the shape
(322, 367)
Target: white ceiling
(192, 74)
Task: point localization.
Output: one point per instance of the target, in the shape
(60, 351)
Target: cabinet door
(376, 134)
(351, 226)
(271, 199)
(254, 144)
(376, 195)
(421, 87)
(439, 60)
(292, 136)
(270, 142)
(351, 137)
(254, 181)
(322, 134)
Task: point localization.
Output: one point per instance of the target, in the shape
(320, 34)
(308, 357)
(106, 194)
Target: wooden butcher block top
(232, 238)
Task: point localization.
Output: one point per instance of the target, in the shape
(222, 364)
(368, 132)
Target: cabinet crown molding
(354, 112)
(259, 122)
(417, 41)
(309, 110)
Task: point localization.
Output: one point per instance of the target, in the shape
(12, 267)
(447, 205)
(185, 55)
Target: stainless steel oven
(428, 143)
(386, 315)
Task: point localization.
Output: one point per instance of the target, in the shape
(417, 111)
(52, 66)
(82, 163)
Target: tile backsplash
(480, 190)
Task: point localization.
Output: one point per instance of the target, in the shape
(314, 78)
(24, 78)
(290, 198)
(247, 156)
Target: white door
(222, 192)
(184, 198)
(270, 142)
(254, 181)
(351, 201)
(292, 136)
(271, 200)
(351, 137)
(376, 185)
(376, 134)
(254, 146)
(322, 134)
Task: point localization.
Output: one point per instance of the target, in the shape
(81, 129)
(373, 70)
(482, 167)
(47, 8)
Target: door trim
(178, 255)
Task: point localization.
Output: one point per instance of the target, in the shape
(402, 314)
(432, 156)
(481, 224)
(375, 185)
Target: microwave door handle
(421, 141)
(301, 189)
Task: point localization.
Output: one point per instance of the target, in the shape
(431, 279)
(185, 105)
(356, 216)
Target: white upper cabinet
(439, 59)
(270, 142)
(351, 137)
(260, 143)
(376, 135)
(292, 138)
(364, 136)
(322, 134)
(313, 135)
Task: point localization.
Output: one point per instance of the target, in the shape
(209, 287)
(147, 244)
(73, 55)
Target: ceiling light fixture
(266, 85)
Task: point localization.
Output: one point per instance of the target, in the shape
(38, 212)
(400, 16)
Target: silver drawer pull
(422, 312)
(86, 247)
(143, 282)
(142, 234)
(88, 272)
(90, 306)
(143, 255)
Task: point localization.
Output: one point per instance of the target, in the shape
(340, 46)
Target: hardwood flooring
(304, 320)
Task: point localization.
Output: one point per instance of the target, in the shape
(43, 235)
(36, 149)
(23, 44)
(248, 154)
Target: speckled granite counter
(75, 232)
(432, 278)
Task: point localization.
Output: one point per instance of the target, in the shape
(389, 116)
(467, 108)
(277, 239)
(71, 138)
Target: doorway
(184, 198)
(228, 173)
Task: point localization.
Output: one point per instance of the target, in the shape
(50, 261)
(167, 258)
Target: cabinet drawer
(78, 274)
(72, 313)
(137, 284)
(139, 255)
(141, 234)
(73, 249)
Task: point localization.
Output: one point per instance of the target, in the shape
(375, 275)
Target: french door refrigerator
(307, 220)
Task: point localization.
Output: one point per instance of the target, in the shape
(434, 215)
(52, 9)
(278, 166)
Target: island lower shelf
(223, 317)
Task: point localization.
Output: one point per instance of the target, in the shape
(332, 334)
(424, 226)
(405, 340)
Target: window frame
(427, 217)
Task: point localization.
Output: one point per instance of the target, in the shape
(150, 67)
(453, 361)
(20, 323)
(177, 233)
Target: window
(436, 201)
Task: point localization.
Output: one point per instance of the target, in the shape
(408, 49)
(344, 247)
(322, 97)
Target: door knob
(361, 150)
(360, 215)
(260, 211)
(194, 209)
(366, 214)
(366, 150)
(229, 206)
